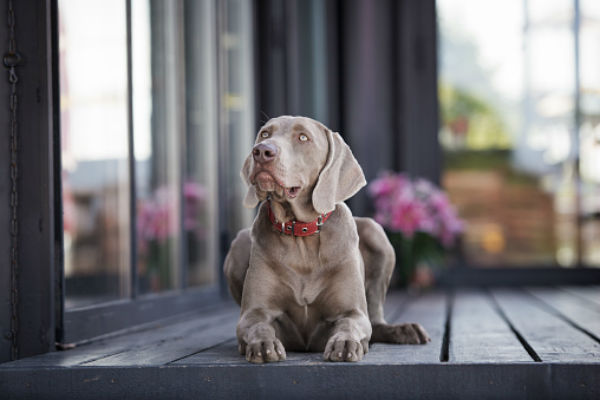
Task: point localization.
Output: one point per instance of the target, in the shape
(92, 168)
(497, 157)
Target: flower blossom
(407, 206)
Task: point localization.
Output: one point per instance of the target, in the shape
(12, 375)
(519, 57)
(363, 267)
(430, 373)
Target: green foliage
(421, 248)
(464, 113)
(489, 160)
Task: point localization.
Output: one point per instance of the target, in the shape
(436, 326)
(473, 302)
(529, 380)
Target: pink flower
(408, 217)
(158, 216)
(406, 206)
(195, 199)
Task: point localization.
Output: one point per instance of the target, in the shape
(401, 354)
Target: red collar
(298, 228)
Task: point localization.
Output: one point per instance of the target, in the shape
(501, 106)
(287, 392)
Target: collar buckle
(319, 223)
(304, 228)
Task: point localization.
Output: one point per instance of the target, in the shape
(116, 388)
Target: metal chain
(11, 61)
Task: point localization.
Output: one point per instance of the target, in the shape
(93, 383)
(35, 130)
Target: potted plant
(158, 232)
(420, 221)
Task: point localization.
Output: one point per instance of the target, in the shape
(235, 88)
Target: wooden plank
(550, 337)
(572, 308)
(115, 345)
(89, 323)
(173, 348)
(328, 381)
(591, 293)
(479, 334)
(178, 347)
(394, 301)
(226, 354)
(428, 310)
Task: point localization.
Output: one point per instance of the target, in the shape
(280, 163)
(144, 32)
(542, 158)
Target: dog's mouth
(292, 191)
(268, 183)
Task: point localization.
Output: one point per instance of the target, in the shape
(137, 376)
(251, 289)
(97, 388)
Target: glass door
(520, 103)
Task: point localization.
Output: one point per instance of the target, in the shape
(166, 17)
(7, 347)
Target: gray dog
(309, 286)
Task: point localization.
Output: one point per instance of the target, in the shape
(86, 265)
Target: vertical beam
(271, 63)
(133, 290)
(297, 64)
(418, 116)
(201, 116)
(369, 98)
(334, 72)
(168, 116)
(181, 141)
(36, 328)
(5, 308)
(59, 278)
(238, 111)
(576, 132)
(225, 237)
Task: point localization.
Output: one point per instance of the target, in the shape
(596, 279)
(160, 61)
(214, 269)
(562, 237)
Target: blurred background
(496, 101)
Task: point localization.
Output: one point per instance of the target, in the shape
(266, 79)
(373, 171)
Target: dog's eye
(264, 134)
(303, 137)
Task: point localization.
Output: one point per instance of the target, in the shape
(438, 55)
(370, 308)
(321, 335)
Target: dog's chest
(300, 270)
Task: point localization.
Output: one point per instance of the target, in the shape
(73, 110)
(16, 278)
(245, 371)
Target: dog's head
(295, 158)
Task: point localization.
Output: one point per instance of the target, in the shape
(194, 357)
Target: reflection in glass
(589, 142)
(237, 111)
(157, 124)
(200, 186)
(509, 132)
(94, 145)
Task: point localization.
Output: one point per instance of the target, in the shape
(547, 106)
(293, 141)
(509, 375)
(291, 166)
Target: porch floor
(497, 343)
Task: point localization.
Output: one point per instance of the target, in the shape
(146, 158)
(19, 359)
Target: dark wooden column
(271, 60)
(389, 88)
(418, 115)
(36, 327)
(368, 88)
(5, 185)
(296, 59)
(366, 68)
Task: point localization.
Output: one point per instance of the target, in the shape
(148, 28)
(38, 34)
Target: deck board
(551, 337)
(87, 354)
(430, 311)
(485, 339)
(574, 309)
(394, 302)
(195, 356)
(590, 293)
(166, 351)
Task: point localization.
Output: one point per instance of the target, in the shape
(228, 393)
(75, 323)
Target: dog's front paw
(262, 351)
(401, 334)
(340, 349)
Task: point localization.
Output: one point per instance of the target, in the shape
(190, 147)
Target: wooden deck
(500, 343)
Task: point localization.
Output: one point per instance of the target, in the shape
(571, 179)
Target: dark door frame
(40, 282)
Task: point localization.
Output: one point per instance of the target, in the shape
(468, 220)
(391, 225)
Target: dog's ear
(251, 199)
(340, 178)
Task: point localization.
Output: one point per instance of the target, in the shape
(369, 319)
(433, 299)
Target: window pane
(200, 186)
(158, 125)
(590, 131)
(507, 95)
(237, 101)
(94, 132)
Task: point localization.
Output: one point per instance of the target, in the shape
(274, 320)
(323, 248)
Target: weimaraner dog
(307, 274)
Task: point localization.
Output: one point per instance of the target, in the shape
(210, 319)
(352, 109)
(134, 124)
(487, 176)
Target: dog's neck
(299, 210)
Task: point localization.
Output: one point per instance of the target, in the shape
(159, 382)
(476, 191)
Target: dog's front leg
(256, 337)
(350, 338)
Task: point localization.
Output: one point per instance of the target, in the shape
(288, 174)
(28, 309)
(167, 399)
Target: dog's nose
(264, 152)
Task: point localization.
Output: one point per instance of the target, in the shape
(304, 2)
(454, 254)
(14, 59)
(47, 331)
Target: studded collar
(297, 228)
